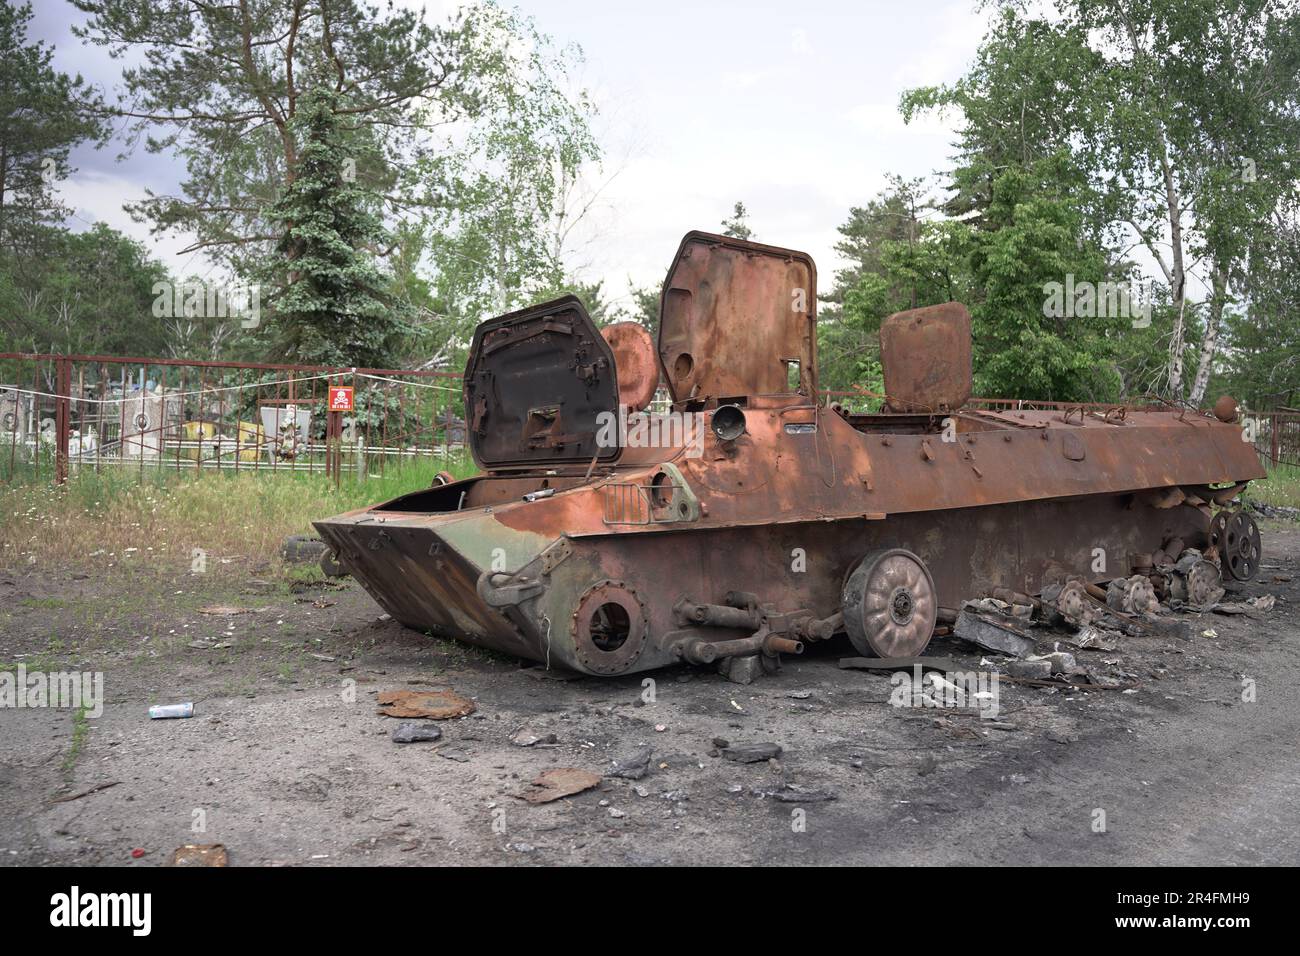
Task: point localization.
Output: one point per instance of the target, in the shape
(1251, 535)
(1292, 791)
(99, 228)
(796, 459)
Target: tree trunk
(1177, 274)
(1209, 344)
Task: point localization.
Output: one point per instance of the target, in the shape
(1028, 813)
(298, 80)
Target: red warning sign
(340, 398)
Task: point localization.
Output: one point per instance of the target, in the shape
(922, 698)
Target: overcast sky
(790, 107)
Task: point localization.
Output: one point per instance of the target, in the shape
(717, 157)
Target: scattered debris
(896, 664)
(633, 766)
(1091, 638)
(1132, 595)
(1034, 670)
(741, 670)
(559, 782)
(1194, 581)
(1072, 601)
(751, 753)
(793, 793)
(165, 711)
(1274, 511)
(1178, 629)
(994, 632)
(409, 732)
(526, 738)
(1252, 606)
(200, 854)
(458, 754)
(85, 793)
(436, 704)
(1059, 662)
(1018, 606)
(224, 610)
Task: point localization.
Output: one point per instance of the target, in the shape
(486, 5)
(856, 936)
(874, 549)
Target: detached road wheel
(1241, 547)
(890, 607)
(329, 563)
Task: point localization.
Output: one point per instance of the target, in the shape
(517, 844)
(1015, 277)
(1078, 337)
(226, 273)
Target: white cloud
(99, 197)
(952, 37)
(742, 79)
(885, 121)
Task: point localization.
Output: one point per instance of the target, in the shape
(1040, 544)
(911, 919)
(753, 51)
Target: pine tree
(737, 227)
(43, 115)
(328, 303)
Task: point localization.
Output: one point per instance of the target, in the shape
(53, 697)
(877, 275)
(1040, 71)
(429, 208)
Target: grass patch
(303, 575)
(1280, 488)
(80, 730)
(116, 519)
(48, 604)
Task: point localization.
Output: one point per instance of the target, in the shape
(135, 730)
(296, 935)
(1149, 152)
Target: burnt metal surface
(737, 319)
(926, 355)
(635, 360)
(535, 384)
(746, 543)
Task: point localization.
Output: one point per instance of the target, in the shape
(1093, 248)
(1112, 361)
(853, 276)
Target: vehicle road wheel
(890, 607)
(1241, 547)
(329, 563)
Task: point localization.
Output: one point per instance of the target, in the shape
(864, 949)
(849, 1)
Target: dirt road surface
(287, 762)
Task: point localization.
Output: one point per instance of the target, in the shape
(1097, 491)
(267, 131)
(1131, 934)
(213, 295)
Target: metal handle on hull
(506, 595)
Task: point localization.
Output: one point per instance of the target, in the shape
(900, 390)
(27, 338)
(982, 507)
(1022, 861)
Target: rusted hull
(789, 521)
(970, 551)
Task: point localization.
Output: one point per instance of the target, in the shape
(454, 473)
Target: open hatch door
(738, 319)
(535, 383)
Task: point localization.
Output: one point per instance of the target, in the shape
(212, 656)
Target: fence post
(1274, 450)
(62, 418)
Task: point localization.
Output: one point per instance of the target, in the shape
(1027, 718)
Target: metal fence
(1277, 436)
(60, 414)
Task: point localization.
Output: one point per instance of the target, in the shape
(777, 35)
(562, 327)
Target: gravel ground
(287, 762)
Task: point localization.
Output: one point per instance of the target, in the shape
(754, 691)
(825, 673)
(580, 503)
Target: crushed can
(164, 711)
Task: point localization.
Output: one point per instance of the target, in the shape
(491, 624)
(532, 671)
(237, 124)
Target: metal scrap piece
(200, 854)
(559, 782)
(437, 704)
(1000, 634)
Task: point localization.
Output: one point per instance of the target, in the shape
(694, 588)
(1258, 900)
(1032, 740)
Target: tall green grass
(1281, 487)
(124, 517)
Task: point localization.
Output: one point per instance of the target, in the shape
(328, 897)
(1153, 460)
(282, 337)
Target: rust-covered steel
(781, 520)
(926, 358)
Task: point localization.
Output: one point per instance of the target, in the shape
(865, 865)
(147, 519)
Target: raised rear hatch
(536, 384)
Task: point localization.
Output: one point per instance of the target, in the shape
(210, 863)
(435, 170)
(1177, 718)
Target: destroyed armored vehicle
(746, 517)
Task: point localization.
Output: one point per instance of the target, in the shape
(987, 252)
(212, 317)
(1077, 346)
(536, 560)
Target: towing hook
(507, 595)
